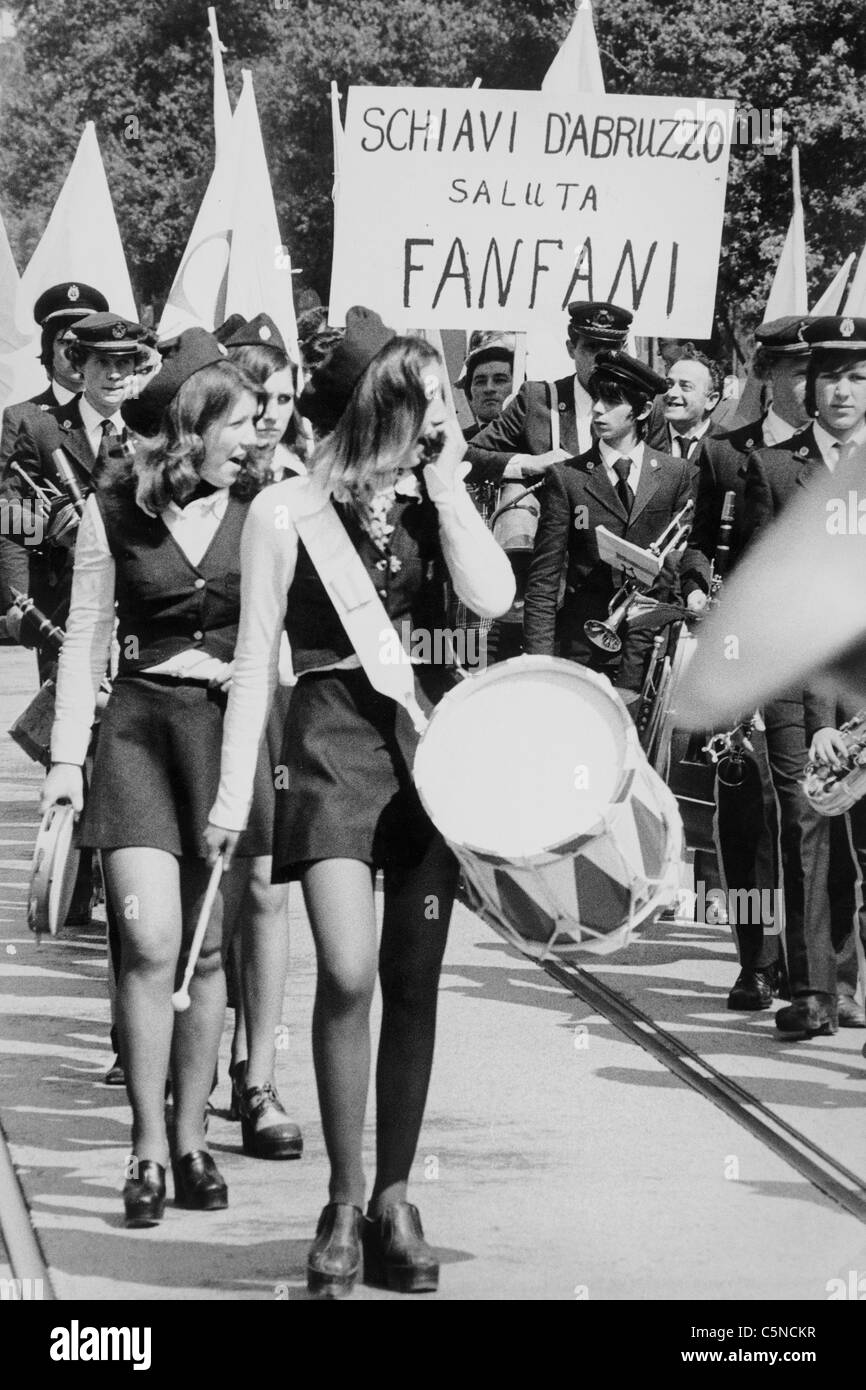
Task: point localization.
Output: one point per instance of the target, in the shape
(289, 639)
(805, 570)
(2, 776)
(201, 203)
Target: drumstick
(180, 999)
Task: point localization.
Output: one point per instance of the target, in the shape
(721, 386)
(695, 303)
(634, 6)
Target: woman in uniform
(352, 807)
(161, 542)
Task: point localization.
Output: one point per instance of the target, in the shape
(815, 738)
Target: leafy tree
(74, 60)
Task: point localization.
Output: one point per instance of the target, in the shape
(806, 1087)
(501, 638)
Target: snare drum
(533, 773)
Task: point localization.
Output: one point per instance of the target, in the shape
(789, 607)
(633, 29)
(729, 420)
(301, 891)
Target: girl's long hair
(380, 425)
(259, 361)
(167, 467)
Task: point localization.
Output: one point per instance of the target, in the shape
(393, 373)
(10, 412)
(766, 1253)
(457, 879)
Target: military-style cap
(485, 345)
(330, 387)
(231, 325)
(784, 335)
(629, 371)
(196, 348)
(606, 323)
(258, 331)
(70, 300)
(111, 333)
(841, 334)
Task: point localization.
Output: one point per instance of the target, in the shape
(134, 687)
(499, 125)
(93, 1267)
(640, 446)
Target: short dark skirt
(156, 771)
(348, 754)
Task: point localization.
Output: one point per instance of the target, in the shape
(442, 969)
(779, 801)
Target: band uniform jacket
(577, 497)
(723, 467)
(58, 427)
(524, 428)
(14, 564)
(773, 477)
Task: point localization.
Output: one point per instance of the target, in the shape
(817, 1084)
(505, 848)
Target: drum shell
(587, 893)
(515, 529)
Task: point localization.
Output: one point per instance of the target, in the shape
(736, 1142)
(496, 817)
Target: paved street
(559, 1161)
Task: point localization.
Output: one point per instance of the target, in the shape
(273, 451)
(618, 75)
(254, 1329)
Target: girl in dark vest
(161, 542)
(352, 807)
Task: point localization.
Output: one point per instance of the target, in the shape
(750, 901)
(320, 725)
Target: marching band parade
(483, 622)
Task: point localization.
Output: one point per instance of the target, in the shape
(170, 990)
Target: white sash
(351, 591)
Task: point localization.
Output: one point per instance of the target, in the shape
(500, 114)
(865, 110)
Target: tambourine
(54, 871)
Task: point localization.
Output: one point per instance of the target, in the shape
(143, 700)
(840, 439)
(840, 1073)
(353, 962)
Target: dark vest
(165, 604)
(413, 595)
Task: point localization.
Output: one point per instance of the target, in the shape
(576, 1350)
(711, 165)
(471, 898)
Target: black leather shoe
(809, 1016)
(850, 1013)
(115, 1076)
(334, 1261)
(144, 1195)
(198, 1184)
(754, 989)
(266, 1129)
(396, 1255)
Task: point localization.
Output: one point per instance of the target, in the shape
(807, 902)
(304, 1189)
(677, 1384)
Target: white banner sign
(460, 208)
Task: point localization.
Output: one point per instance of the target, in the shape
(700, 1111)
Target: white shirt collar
(582, 401)
(92, 422)
(609, 457)
(695, 432)
(829, 445)
(61, 394)
(775, 429)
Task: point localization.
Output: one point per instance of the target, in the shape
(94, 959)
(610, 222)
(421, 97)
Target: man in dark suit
(55, 311)
(836, 398)
(621, 484)
(486, 377)
(781, 359)
(693, 389)
(107, 349)
(550, 421)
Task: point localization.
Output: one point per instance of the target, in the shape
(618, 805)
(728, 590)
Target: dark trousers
(746, 833)
(847, 911)
(805, 846)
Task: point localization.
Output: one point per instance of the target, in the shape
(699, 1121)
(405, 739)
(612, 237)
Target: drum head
(525, 756)
(54, 871)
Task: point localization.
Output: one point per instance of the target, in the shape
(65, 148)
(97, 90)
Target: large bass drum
(567, 839)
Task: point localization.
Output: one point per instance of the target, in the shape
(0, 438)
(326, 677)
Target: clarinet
(723, 546)
(68, 481)
(44, 635)
(728, 750)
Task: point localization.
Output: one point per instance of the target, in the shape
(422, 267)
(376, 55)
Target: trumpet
(631, 600)
(832, 790)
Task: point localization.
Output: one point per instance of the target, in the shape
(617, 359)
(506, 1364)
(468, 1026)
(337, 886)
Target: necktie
(105, 450)
(843, 452)
(686, 442)
(622, 468)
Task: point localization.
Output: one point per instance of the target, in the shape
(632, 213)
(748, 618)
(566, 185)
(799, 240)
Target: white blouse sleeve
(269, 547)
(480, 570)
(87, 645)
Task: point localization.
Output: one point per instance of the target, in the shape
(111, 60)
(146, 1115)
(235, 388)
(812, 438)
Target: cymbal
(795, 608)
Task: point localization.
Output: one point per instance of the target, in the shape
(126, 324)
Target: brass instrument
(631, 596)
(833, 790)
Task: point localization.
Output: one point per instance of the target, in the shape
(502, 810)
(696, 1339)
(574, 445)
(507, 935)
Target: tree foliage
(78, 60)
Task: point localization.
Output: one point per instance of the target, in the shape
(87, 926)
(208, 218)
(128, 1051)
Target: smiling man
(693, 390)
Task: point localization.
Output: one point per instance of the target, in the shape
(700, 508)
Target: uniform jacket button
(199, 584)
(198, 635)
